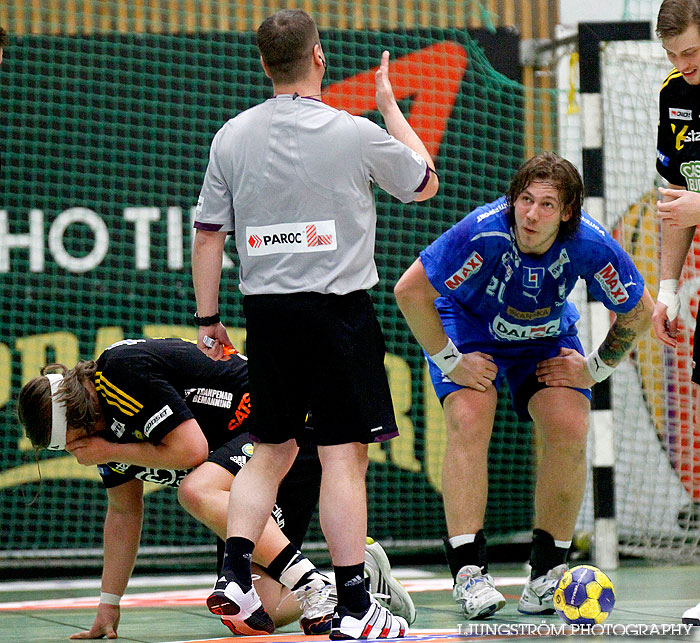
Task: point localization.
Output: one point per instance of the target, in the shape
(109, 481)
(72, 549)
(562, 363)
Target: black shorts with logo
(297, 496)
(318, 352)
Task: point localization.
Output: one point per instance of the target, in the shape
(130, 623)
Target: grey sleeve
(215, 205)
(390, 164)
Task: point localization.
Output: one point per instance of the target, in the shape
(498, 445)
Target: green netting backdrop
(105, 145)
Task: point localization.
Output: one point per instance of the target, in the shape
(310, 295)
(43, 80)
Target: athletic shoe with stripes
(376, 623)
(242, 612)
(538, 593)
(388, 591)
(318, 599)
(476, 593)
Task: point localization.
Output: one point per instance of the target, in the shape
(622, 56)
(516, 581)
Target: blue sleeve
(612, 277)
(452, 258)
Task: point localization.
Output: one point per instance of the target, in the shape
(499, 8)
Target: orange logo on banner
(431, 76)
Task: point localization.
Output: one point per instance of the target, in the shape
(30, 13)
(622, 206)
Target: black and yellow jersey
(148, 387)
(678, 138)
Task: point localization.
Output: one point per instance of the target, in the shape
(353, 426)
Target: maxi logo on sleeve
(285, 238)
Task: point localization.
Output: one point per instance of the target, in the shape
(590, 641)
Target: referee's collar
(294, 96)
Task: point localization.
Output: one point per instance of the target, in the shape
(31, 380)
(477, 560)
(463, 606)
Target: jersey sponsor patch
(691, 171)
(680, 114)
(213, 397)
(610, 282)
(156, 419)
(532, 277)
(503, 329)
(470, 267)
(557, 267)
(662, 158)
(288, 238)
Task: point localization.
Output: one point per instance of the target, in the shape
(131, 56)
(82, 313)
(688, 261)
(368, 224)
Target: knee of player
(190, 493)
(570, 434)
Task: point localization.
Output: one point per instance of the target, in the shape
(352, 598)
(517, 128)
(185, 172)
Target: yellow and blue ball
(585, 596)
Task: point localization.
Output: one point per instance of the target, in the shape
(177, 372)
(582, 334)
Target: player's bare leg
(561, 416)
(469, 417)
(252, 497)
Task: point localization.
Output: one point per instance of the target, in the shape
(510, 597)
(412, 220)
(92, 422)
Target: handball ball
(585, 596)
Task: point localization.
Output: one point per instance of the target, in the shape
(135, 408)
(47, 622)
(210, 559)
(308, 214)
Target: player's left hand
(90, 450)
(566, 369)
(384, 90)
(679, 208)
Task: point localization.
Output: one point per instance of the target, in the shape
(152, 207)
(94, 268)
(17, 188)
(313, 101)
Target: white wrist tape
(598, 369)
(110, 599)
(448, 358)
(668, 295)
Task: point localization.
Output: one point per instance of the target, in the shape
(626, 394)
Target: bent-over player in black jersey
(152, 410)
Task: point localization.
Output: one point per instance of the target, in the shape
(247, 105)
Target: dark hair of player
(285, 40)
(4, 38)
(34, 402)
(549, 167)
(675, 16)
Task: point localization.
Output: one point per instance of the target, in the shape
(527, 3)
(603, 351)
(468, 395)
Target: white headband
(58, 415)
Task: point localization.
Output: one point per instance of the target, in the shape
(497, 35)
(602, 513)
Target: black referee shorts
(317, 352)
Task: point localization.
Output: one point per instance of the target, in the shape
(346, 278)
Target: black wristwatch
(207, 321)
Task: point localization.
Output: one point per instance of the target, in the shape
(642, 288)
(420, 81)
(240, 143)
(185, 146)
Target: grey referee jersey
(293, 178)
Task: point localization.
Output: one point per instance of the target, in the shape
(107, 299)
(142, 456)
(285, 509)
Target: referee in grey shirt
(293, 178)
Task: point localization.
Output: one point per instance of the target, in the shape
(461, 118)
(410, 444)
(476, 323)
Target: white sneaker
(692, 616)
(318, 599)
(242, 612)
(538, 593)
(376, 623)
(388, 591)
(476, 593)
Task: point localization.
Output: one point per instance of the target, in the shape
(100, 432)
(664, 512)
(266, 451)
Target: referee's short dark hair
(675, 16)
(4, 38)
(549, 167)
(285, 40)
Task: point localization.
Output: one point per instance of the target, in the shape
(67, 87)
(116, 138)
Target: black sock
(237, 558)
(545, 555)
(350, 583)
(473, 553)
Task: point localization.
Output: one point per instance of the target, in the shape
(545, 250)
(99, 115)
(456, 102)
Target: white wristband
(598, 369)
(668, 295)
(110, 599)
(448, 358)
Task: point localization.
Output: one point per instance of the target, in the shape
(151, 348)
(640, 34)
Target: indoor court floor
(649, 599)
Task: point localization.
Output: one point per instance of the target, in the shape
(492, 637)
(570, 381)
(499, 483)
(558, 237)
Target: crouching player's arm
(416, 297)
(184, 447)
(570, 368)
(122, 534)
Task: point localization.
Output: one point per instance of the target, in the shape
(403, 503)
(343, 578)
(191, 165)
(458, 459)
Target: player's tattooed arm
(626, 331)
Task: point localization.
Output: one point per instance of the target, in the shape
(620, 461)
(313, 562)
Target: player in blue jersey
(487, 301)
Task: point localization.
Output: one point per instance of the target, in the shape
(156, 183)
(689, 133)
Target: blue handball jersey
(499, 293)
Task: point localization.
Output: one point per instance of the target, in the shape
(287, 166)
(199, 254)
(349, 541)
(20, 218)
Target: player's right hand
(105, 625)
(475, 370)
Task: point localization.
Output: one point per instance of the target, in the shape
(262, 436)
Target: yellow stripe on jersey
(674, 74)
(115, 396)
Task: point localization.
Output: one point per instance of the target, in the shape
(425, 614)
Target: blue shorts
(516, 362)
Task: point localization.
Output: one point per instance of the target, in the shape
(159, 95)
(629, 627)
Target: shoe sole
(487, 611)
(258, 622)
(321, 625)
(380, 558)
